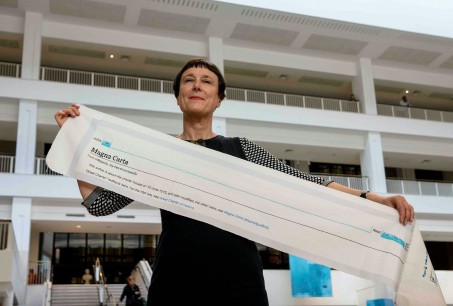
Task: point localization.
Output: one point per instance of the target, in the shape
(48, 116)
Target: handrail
(145, 272)
(101, 285)
(39, 272)
(48, 294)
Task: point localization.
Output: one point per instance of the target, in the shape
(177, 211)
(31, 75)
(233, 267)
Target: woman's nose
(197, 85)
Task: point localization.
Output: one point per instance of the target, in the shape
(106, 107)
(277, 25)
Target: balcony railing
(238, 94)
(394, 186)
(356, 182)
(38, 272)
(419, 188)
(4, 234)
(414, 113)
(7, 164)
(10, 70)
(41, 167)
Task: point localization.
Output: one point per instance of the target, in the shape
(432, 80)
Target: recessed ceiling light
(407, 90)
(78, 226)
(112, 56)
(125, 58)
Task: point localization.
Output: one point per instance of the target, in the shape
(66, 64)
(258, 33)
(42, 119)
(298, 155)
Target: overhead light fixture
(78, 226)
(125, 58)
(112, 56)
(407, 91)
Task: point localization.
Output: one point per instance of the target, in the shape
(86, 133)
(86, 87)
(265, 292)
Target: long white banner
(320, 224)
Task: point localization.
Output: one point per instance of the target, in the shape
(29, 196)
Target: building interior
(290, 76)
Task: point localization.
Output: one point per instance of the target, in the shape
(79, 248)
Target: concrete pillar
(26, 137)
(25, 151)
(372, 163)
(215, 46)
(31, 55)
(363, 86)
(216, 56)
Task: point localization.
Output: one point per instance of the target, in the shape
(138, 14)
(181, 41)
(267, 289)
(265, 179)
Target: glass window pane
(61, 240)
(77, 244)
(131, 243)
(95, 244)
(113, 244)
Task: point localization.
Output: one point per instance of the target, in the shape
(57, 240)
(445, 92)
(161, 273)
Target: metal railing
(7, 164)
(239, 94)
(41, 167)
(105, 80)
(105, 297)
(419, 188)
(394, 186)
(38, 272)
(10, 69)
(4, 232)
(356, 182)
(414, 113)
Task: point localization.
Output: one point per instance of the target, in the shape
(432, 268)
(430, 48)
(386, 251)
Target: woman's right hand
(62, 115)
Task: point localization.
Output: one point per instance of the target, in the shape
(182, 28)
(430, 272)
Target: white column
(372, 163)
(26, 148)
(31, 55)
(216, 57)
(363, 86)
(216, 52)
(26, 137)
(21, 224)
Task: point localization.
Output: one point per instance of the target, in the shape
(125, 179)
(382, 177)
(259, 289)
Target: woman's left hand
(398, 202)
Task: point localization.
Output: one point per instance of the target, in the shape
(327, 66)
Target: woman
(199, 264)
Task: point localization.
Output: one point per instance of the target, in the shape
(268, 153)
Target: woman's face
(198, 92)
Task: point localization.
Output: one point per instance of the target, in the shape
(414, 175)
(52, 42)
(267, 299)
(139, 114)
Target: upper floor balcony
(238, 94)
(394, 186)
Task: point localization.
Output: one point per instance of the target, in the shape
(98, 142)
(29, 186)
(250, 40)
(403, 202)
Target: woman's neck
(196, 136)
(197, 130)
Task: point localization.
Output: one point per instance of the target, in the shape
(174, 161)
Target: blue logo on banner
(106, 143)
(309, 279)
(380, 302)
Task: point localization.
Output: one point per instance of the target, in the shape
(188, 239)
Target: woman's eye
(188, 80)
(207, 81)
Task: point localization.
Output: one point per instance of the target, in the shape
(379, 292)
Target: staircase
(86, 295)
(74, 295)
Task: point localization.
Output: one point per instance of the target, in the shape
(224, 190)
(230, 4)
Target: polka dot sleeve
(256, 154)
(103, 202)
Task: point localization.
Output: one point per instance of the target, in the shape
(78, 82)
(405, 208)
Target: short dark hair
(201, 63)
